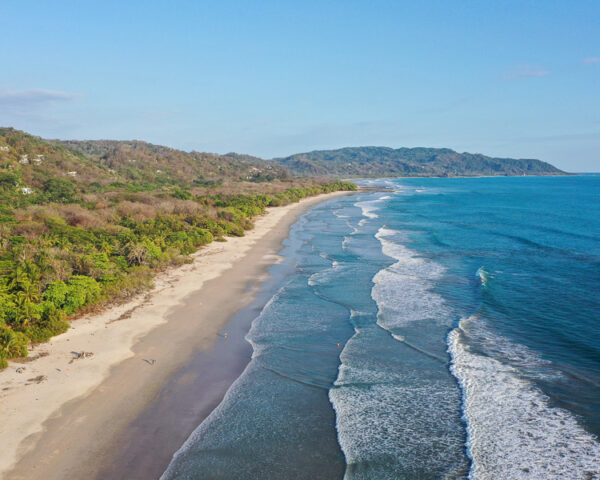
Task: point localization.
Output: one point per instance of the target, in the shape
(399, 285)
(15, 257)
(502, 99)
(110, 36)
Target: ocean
(430, 329)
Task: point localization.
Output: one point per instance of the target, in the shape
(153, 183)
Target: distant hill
(111, 162)
(408, 162)
(137, 160)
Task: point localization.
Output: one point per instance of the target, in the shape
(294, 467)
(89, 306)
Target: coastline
(565, 174)
(64, 416)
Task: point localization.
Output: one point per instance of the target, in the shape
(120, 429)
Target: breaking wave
(513, 431)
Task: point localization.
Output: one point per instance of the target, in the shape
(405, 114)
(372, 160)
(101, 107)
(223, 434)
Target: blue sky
(504, 78)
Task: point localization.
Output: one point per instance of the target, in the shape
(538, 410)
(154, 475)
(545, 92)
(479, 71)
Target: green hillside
(142, 161)
(408, 162)
(83, 224)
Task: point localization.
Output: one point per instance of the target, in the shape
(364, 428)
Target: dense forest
(408, 162)
(84, 224)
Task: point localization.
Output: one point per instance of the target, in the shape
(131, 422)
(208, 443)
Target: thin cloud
(34, 97)
(589, 60)
(525, 71)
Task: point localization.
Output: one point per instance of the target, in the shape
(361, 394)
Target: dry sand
(65, 418)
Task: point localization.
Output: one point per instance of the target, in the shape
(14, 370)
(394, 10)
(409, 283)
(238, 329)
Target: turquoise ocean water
(440, 329)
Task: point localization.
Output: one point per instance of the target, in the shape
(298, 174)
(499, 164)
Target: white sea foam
(345, 242)
(403, 290)
(384, 425)
(355, 228)
(513, 431)
(483, 275)
(257, 347)
(340, 215)
(525, 360)
(356, 313)
(323, 277)
(370, 420)
(369, 207)
(380, 415)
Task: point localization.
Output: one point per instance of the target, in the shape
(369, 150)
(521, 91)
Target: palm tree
(135, 253)
(25, 278)
(12, 343)
(17, 278)
(27, 312)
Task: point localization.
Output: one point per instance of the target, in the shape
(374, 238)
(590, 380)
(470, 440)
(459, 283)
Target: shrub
(110, 240)
(181, 241)
(137, 280)
(8, 309)
(275, 202)
(135, 253)
(55, 223)
(153, 251)
(59, 190)
(12, 344)
(78, 216)
(81, 291)
(204, 237)
(181, 194)
(17, 241)
(56, 293)
(232, 229)
(232, 214)
(53, 322)
(212, 226)
(9, 180)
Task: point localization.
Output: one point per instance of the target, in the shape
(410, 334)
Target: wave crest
(513, 432)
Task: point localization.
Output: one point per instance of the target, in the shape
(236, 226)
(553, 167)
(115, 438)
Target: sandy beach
(67, 417)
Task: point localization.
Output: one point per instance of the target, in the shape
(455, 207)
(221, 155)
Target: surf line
(402, 339)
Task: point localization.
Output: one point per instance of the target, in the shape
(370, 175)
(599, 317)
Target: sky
(272, 78)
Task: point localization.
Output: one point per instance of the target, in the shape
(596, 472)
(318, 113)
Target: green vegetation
(70, 243)
(408, 162)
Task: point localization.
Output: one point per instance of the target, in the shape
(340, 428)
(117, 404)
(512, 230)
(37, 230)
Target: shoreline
(64, 416)
(565, 174)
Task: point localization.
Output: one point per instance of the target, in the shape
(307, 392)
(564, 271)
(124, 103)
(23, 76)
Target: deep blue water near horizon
(443, 328)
